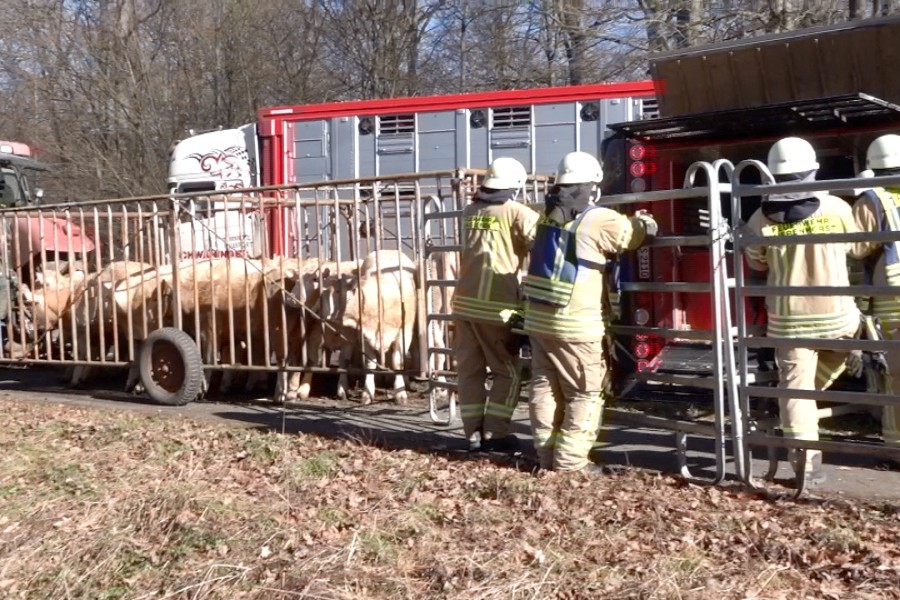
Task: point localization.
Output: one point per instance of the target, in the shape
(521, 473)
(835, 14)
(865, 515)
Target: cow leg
(303, 384)
(368, 394)
(400, 393)
(315, 346)
(346, 357)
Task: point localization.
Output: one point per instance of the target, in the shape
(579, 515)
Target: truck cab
(216, 162)
(16, 164)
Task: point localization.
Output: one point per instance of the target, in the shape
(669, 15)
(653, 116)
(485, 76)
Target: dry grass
(99, 505)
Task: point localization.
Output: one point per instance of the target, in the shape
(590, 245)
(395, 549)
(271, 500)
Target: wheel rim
(166, 366)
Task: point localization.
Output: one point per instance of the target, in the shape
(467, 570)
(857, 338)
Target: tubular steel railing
(753, 429)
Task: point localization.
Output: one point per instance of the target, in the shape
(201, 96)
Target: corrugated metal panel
(803, 65)
(786, 118)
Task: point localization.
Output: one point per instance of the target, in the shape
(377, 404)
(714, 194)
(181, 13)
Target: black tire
(170, 367)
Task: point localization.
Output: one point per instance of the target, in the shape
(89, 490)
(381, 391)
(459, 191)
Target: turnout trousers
(805, 369)
(566, 403)
(479, 346)
(890, 417)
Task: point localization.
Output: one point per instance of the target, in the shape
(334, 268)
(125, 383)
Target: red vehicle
(732, 101)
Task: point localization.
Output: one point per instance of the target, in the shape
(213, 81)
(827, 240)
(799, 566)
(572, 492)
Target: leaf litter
(105, 505)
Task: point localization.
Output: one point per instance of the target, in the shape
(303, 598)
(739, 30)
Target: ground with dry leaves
(102, 505)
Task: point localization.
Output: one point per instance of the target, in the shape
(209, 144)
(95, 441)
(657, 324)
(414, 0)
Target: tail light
(646, 351)
(641, 165)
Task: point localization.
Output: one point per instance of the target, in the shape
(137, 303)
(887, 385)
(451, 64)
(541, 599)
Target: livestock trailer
(368, 139)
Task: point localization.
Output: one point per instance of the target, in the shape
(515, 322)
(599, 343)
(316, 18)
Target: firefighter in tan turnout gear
(878, 210)
(497, 233)
(563, 316)
(826, 317)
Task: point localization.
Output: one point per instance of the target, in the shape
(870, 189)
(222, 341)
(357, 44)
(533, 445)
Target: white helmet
(792, 155)
(579, 167)
(505, 173)
(884, 153)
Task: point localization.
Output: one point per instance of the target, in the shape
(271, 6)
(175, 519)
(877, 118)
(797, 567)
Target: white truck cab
(217, 162)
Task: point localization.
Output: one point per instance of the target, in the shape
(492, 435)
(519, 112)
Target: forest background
(104, 87)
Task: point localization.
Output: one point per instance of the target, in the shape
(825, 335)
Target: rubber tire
(191, 362)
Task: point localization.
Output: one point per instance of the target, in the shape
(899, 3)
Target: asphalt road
(388, 425)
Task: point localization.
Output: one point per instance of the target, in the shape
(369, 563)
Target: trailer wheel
(170, 366)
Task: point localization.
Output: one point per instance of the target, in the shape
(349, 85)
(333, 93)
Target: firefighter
(564, 316)
(497, 234)
(793, 159)
(878, 210)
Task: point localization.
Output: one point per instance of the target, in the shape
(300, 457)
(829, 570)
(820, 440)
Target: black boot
(507, 445)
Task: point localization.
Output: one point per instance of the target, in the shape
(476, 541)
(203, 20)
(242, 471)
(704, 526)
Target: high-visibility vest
(553, 265)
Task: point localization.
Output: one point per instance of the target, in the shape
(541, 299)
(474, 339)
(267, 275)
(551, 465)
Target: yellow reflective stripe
(887, 309)
(509, 403)
(892, 273)
(539, 288)
(799, 434)
(471, 410)
(827, 326)
(500, 411)
(825, 376)
(466, 306)
(544, 439)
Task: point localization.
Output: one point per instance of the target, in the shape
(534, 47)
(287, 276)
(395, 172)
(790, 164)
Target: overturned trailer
(722, 107)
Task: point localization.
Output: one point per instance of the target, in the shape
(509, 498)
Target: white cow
(376, 308)
(320, 294)
(381, 311)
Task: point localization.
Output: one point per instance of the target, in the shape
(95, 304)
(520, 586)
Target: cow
(43, 309)
(230, 302)
(335, 279)
(378, 309)
(99, 320)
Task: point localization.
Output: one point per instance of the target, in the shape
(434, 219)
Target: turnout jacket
(564, 286)
(825, 264)
(496, 240)
(878, 210)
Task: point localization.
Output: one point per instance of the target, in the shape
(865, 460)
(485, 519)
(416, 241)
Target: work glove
(854, 364)
(514, 319)
(650, 226)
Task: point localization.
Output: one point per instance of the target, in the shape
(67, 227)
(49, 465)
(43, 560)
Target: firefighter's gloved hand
(514, 319)
(650, 226)
(855, 363)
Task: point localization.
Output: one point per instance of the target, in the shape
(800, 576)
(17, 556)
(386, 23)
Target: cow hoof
(303, 392)
(401, 397)
(366, 398)
(341, 394)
